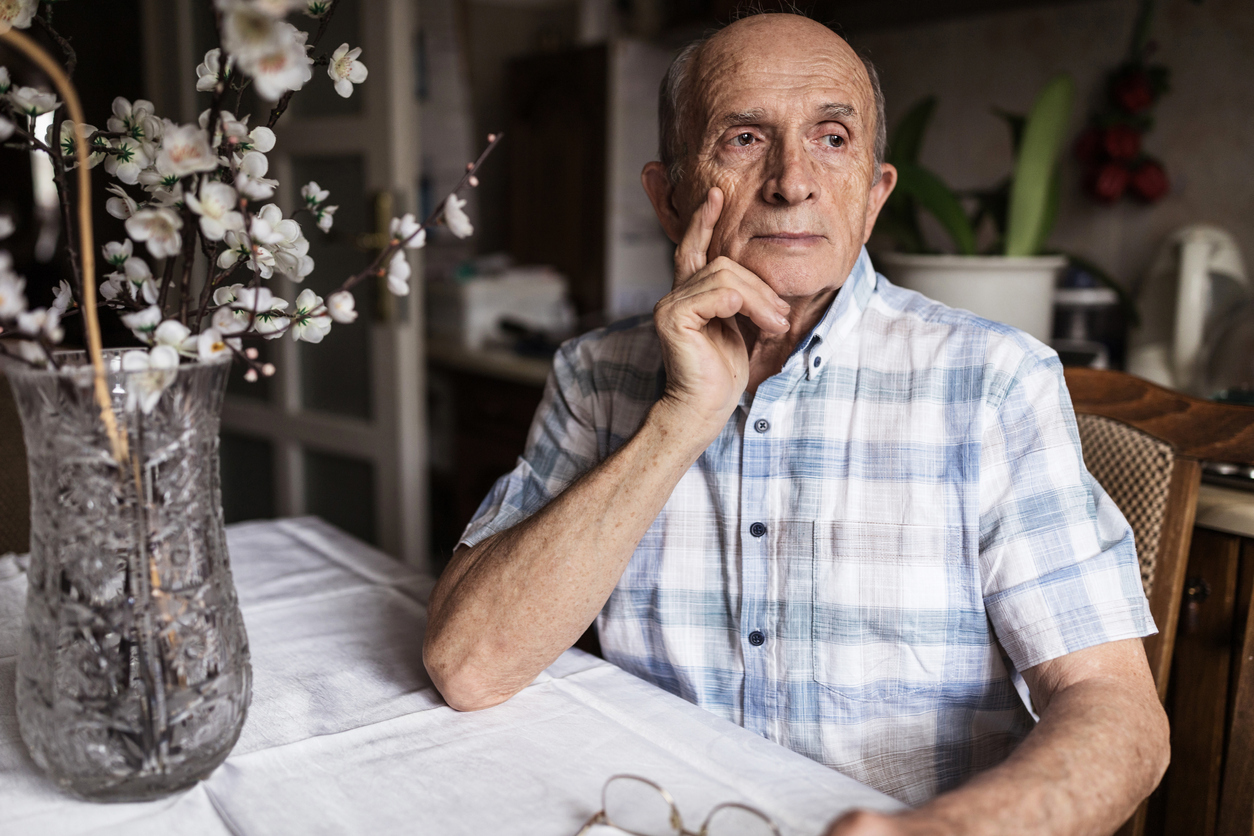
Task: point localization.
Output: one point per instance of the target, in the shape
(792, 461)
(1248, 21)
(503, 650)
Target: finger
(690, 256)
(747, 301)
(759, 302)
(749, 279)
(716, 303)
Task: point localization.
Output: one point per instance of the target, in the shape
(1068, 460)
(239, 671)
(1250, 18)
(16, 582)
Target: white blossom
(456, 219)
(261, 139)
(285, 240)
(310, 320)
(123, 206)
(407, 230)
(250, 180)
(148, 375)
(398, 274)
(212, 346)
(313, 194)
(171, 332)
(345, 70)
(45, 321)
(143, 323)
(216, 207)
(116, 254)
(5, 82)
(248, 33)
(135, 278)
(325, 218)
(270, 50)
(6, 127)
(31, 101)
(127, 160)
(160, 228)
(277, 8)
(62, 297)
(207, 71)
(138, 120)
(7, 226)
(12, 296)
(185, 150)
(317, 8)
(342, 306)
(17, 13)
(69, 149)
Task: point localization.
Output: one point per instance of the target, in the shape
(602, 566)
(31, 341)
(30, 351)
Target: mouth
(790, 239)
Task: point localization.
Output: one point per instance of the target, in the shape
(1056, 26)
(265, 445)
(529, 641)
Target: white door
(339, 431)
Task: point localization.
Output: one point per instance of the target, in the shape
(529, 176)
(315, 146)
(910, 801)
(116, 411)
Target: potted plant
(1011, 281)
(133, 676)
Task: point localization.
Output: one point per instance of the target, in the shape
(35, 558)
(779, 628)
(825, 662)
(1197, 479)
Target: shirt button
(762, 425)
(818, 361)
(756, 638)
(757, 529)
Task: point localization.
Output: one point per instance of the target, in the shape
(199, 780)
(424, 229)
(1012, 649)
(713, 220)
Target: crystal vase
(133, 675)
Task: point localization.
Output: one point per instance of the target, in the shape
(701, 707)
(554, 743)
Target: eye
(835, 140)
(741, 140)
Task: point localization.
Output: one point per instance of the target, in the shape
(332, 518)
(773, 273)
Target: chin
(797, 277)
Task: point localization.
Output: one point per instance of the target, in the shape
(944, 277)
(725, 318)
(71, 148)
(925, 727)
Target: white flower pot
(1017, 291)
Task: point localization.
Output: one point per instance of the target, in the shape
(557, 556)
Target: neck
(767, 353)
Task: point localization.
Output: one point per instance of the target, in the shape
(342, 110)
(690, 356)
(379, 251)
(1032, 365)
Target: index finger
(690, 255)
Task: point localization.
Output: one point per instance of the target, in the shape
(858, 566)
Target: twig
(167, 279)
(281, 107)
(191, 230)
(71, 59)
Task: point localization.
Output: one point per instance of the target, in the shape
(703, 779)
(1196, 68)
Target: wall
(1204, 128)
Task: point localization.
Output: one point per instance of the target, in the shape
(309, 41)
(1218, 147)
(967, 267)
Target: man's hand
(707, 361)
(867, 823)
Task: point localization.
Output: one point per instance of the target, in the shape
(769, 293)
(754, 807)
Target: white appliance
(471, 311)
(1197, 276)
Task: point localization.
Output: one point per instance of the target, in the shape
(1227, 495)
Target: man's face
(783, 121)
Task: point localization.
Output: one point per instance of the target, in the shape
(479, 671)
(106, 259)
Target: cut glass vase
(133, 676)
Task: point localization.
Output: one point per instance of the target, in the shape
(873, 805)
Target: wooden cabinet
(1209, 787)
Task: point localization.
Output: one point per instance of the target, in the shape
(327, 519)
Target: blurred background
(396, 427)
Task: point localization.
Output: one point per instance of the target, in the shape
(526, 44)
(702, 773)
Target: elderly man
(846, 517)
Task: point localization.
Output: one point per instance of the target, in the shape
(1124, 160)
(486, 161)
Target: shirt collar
(839, 318)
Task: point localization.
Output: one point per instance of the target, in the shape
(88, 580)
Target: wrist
(681, 431)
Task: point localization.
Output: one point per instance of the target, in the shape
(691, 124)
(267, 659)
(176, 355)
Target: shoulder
(624, 357)
(935, 334)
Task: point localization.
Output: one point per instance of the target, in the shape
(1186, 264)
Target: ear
(879, 194)
(661, 194)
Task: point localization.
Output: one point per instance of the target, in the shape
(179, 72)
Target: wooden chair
(14, 487)
(1144, 444)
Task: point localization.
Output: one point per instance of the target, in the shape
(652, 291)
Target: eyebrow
(828, 112)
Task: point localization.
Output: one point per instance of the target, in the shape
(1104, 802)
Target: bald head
(682, 103)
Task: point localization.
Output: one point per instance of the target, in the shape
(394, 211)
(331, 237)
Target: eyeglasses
(640, 807)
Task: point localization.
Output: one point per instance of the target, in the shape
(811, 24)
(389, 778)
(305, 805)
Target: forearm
(505, 609)
(1097, 752)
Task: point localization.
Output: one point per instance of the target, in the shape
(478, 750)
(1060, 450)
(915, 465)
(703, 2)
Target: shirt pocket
(884, 608)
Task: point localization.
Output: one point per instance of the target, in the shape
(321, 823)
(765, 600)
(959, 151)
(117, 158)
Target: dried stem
(45, 23)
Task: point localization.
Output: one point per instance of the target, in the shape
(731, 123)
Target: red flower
(1087, 145)
(1122, 142)
(1108, 182)
(1133, 92)
(1149, 181)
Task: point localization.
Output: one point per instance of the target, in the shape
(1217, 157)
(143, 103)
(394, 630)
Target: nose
(790, 178)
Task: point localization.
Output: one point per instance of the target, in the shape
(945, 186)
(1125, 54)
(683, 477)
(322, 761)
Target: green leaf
(1035, 165)
(934, 196)
(907, 138)
(1051, 213)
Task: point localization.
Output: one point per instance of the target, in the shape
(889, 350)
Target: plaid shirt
(881, 538)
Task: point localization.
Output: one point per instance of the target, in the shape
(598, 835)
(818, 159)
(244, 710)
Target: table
(346, 735)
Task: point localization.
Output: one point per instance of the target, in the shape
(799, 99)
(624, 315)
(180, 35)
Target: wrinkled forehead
(782, 64)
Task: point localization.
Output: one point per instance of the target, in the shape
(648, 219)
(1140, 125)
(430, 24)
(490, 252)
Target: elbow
(464, 685)
(1161, 747)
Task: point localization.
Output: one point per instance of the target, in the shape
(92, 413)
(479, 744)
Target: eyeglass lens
(638, 807)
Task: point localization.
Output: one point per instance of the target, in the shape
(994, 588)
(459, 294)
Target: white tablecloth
(346, 735)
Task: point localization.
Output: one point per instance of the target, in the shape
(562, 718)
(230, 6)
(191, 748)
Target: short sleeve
(1057, 558)
(561, 446)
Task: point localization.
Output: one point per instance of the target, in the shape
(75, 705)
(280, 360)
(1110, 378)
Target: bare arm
(1100, 748)
(505, 609)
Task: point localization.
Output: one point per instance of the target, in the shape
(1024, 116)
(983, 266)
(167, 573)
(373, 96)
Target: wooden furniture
(1144, 444)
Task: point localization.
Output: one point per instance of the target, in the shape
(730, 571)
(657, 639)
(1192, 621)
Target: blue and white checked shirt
(879, 540)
